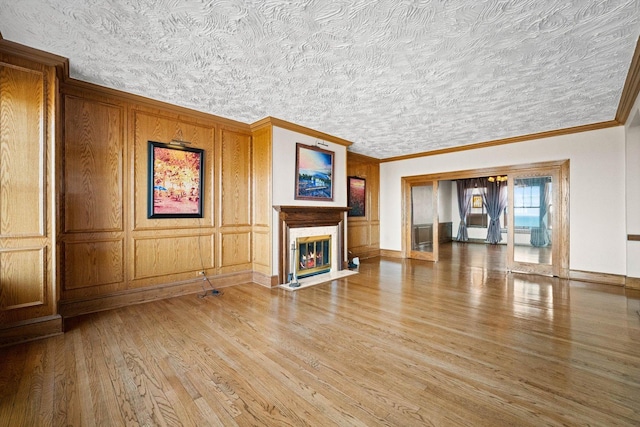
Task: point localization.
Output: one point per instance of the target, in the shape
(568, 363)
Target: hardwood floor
(401, 343)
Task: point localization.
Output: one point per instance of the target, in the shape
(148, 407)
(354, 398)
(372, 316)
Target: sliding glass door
(421, 219)
(534, 222)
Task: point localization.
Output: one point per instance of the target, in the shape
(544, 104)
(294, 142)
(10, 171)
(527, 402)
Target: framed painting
(314, 173)
(476, 201)
(175, 181)
(356, 195)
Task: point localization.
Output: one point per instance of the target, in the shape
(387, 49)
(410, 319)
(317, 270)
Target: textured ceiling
(395, 77)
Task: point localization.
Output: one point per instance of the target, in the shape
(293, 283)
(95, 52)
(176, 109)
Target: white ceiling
(395, 77)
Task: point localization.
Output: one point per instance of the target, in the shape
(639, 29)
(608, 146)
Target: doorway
(420, 219)
(536, 192)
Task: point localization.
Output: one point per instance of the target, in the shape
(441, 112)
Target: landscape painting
(175, 181)
(314, 173)
(357, 196)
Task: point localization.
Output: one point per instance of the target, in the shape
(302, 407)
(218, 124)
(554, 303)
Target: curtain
(494, 197)
(465, 191)
(545, 203)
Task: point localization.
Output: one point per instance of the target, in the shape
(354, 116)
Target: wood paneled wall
(112, 253)
(363, 233)
(262, 209)
(28, 292)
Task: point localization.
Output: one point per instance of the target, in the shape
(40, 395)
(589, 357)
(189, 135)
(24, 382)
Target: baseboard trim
(264, 280)
(364, 253)
(589, 276)
(30, 330)
(632, 283)
(391, 254)
(138, 296)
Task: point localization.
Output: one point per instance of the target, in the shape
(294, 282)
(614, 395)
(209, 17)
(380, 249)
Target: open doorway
(530, 226)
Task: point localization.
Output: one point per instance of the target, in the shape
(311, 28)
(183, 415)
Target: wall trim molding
(364, 253)
(511, 140)
(265, 280)
(272, 121)
(152, 293)
(632, 283)
(391, 253)
(590, 276)
(357, 157)
(631, 87)
(30, 330)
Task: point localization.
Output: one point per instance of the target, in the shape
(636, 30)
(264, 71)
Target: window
(527, 197)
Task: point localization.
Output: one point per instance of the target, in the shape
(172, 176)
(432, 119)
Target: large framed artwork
(175, 181)
(356, 196)
(314, 173)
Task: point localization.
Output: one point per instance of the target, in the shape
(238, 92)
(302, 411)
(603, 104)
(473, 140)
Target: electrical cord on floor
(206, 292)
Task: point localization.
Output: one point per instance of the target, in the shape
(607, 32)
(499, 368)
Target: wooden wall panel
(358, 235)
(262, 250)
(166, 255)
(27, 183)
(375, 235)
(373, 194)
(165, 127)
(262, 205)
(364, 232)
(93, 156)
(22, 273)
(236, 249)
(235, 179)
(92, 263)
(262, 177)
(22, 139)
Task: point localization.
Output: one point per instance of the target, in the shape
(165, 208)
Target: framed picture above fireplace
(314, 173)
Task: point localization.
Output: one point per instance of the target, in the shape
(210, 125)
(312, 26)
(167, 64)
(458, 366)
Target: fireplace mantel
(307, 216)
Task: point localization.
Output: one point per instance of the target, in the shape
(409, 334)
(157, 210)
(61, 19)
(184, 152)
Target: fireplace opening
(314, 255)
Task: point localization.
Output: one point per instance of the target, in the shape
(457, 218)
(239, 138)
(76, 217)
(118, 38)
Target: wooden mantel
(307, 216)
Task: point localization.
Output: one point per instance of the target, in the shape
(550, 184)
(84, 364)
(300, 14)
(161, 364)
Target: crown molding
(357, 157)
(631, 87)
(512, 140)
(60, 63)
(272, 121)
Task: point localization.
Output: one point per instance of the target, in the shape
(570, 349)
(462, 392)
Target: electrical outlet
(200, 273)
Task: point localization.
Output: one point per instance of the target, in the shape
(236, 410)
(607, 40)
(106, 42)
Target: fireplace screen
(314, 255)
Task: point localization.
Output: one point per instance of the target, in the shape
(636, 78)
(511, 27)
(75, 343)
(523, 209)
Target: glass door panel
(422, 218)
(533, 219)
(421, 227)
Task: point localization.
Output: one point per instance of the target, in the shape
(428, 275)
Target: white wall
(597, 190)
(445, 214)
(284, 169)
(632, 135)
(284, 177)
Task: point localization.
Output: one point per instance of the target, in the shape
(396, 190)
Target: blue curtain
(465, 191)
(494, 197)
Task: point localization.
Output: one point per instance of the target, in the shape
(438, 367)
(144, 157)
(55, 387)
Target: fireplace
(308, 224)
(313, 255)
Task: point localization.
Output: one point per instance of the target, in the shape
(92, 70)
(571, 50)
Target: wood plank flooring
(402, 343)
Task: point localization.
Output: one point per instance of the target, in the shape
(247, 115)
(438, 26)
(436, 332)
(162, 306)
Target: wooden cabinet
(28, 292)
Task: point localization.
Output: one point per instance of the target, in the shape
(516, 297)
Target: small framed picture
(357, 196)
(175, 181)
(314, 173)
(476, 201)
